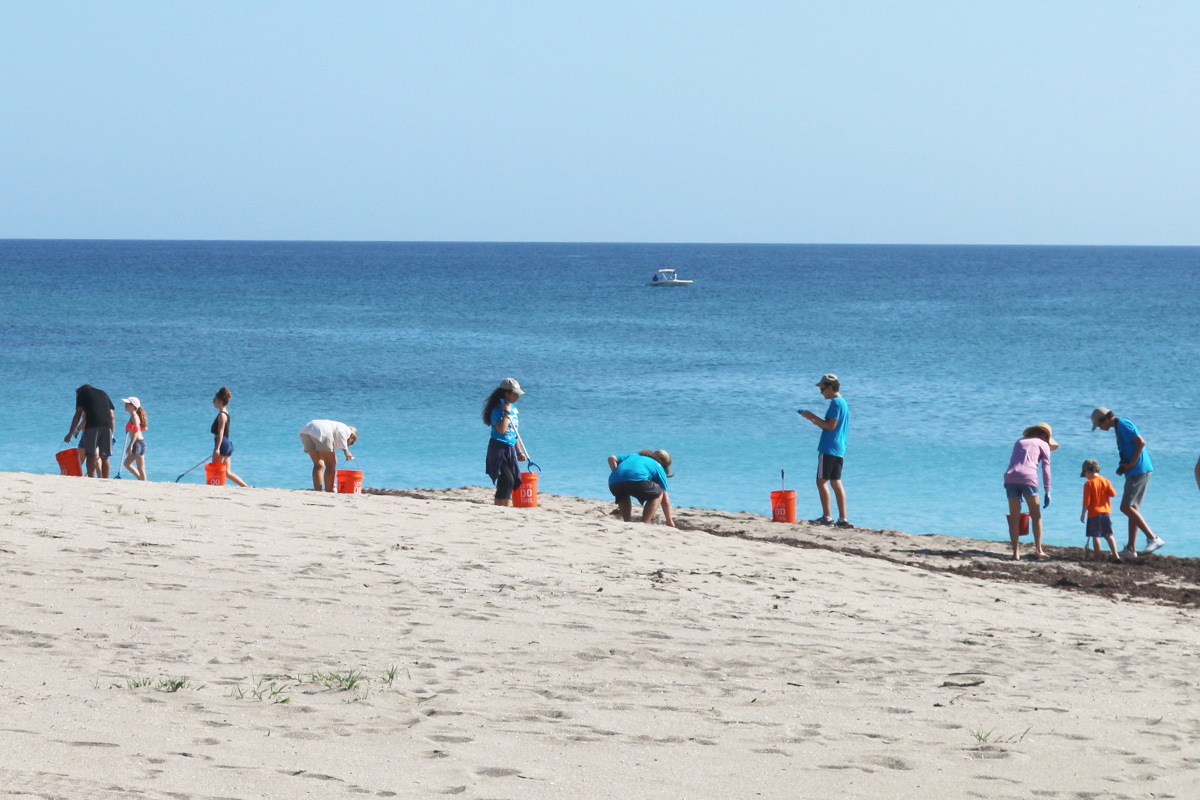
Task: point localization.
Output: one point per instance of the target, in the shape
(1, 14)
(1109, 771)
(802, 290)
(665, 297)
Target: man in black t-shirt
(95, 416)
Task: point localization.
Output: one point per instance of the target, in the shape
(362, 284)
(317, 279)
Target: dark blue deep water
(945, 355)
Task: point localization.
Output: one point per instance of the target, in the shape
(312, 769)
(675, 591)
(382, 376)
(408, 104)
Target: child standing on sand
(1097, 508)
(135, 428)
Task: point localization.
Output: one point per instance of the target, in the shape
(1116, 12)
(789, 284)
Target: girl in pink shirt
(1030, 452)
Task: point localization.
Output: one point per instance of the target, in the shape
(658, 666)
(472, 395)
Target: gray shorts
(314, 445)
(1135, 489)
(97, 438)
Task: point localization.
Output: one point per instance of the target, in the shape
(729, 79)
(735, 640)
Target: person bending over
(321, 439)
(643, 476)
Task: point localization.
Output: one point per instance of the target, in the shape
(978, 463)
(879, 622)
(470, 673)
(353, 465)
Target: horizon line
(578, 242)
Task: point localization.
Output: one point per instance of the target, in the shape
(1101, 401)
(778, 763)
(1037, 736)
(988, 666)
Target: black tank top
(217, 423)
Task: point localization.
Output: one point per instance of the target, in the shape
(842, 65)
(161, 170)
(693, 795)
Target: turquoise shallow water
(945, 353)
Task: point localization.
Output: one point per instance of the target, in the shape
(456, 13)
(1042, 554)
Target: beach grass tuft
(164, 683)
(990, 737)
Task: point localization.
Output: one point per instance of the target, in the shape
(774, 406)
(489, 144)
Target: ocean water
(945, 354)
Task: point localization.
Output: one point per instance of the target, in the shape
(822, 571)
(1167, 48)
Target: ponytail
(493, 400)
(141, 412)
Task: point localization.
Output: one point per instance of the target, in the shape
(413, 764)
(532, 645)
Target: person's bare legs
(1136, 522)
(625, 507)
(229, 473)
(324, 471)
(1112, 545)
(1035, 522)
(650, 509)
(136, 466)
(1014, 526)
(840, 495)
(823, 491)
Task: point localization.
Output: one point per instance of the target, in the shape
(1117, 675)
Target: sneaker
(822, 521)
(842, 523)
(1127, 553)
(1154, 544)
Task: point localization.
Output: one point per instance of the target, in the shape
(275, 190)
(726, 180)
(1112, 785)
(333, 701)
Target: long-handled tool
(205, 461)
(121, 462)
(528, 460)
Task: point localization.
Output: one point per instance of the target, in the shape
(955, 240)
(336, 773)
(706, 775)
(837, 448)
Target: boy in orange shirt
(1097, 508)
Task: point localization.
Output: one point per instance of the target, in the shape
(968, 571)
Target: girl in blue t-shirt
(504, 452)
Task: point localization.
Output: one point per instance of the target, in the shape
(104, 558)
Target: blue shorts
(226, 447)
(138, 448)
(1099, 526)
(1015, 491)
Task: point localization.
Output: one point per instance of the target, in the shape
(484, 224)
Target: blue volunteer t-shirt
(1126, 433)
(833, 443)
(637, 467)
(509, 436)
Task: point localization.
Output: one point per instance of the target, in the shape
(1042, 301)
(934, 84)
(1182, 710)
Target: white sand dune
(549, 653)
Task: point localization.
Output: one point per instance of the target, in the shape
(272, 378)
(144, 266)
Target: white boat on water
(666, 277)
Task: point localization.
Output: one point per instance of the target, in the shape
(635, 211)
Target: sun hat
(828, 378)
(1091, 464)
(1098, 414)
(511, 385)
(1042, 427)
(133, 401)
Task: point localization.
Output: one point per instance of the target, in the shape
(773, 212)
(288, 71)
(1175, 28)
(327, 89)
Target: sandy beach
(182, 641)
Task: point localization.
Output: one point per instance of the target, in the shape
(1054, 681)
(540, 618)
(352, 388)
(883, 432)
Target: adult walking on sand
(642, 475)
(831, 449)
(1136, 467)
(1030, 452)
(222, 441)
(95, 416)
(504, 445)
(321, 439)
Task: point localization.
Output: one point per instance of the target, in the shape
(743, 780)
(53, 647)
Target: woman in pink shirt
(1030, 452)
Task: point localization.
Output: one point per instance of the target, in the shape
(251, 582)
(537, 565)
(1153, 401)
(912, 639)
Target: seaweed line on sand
(1166, 580)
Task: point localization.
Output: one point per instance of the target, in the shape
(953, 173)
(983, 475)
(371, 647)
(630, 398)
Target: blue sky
(938, 122)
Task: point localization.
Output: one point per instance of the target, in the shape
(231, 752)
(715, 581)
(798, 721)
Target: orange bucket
(525, 495)
(783, 505)
(68, 463)
(349, 481)
(214, 474)
(1022, 526)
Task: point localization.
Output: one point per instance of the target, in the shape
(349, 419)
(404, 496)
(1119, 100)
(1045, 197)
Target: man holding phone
(831, 450)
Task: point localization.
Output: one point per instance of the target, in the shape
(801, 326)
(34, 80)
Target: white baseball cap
(132, 401)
